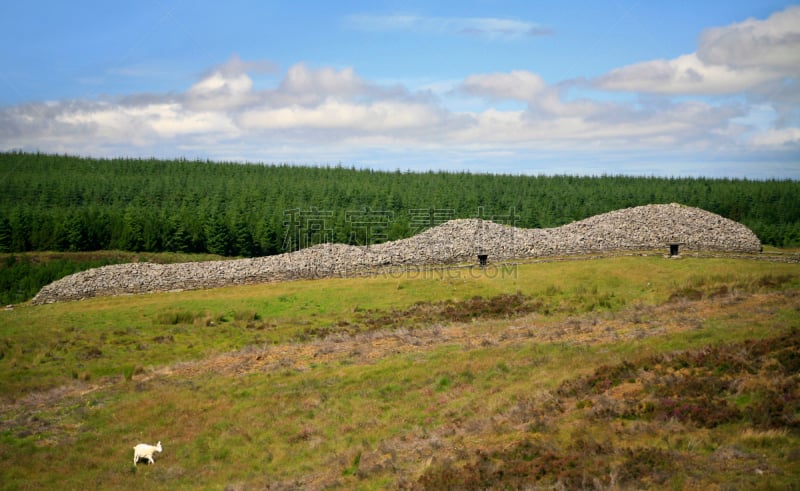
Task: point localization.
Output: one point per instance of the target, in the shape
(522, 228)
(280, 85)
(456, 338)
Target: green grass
(417, 414)
(43, 346)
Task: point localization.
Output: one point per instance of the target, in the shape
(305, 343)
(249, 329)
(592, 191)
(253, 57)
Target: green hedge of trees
(65, 203)
(21, 277)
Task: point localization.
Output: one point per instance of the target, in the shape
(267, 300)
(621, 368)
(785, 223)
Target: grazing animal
(145, 451)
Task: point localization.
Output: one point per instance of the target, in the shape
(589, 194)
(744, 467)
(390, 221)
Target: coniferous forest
(64, 203)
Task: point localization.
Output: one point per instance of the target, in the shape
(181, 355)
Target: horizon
(689, 90)
(353, 167)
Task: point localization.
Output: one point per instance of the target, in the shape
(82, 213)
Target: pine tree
(244, 244)
(217, 237)
(133, 230)
(76, 233)
(21, 228)
(5, 235)
(178, 239)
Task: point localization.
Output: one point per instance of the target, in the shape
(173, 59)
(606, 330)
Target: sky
(635, 87)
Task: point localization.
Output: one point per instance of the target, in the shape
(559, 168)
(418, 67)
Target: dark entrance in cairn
(482, 259)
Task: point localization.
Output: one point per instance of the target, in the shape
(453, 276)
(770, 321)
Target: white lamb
(145, 451)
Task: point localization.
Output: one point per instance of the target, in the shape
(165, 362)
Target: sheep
(145, 451)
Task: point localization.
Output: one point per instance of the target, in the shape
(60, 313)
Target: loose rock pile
(641, 228)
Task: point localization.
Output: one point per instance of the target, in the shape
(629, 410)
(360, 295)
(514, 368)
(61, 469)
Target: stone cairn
(650, 227)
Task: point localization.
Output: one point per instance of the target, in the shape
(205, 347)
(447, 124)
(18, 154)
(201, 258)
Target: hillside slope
(627, 372)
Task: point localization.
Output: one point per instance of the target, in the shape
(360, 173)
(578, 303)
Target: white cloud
(686, 74)
(518, 85)
(773, 43)
(543, 101)
(485, 27)
(777, 138)
(338, 114)
(691, 124)
(303, 85)
(219, 91)
(756, 60)
(497, 28)
(730, 59)
(79, 125)
(226, 86)
(313, 114)
(236, 66)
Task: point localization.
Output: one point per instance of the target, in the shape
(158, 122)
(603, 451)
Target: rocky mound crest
(649, 227)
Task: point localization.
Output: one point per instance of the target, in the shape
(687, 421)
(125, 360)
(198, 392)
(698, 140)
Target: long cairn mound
(641, 228)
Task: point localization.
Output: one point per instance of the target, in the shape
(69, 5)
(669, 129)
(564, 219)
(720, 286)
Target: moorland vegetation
(614, 373)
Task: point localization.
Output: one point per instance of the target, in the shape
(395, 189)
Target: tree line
(68, 203)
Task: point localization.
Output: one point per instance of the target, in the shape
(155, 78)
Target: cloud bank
(735, 98)
(732, 59)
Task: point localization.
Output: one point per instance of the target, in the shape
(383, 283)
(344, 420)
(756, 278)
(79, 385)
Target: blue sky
(679, 88)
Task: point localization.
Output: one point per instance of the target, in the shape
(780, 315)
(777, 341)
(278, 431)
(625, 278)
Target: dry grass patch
(479, 398)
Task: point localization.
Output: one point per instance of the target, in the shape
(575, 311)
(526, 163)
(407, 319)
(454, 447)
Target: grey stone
(650, 227)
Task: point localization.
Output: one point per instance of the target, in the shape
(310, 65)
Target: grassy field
(614, 373)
